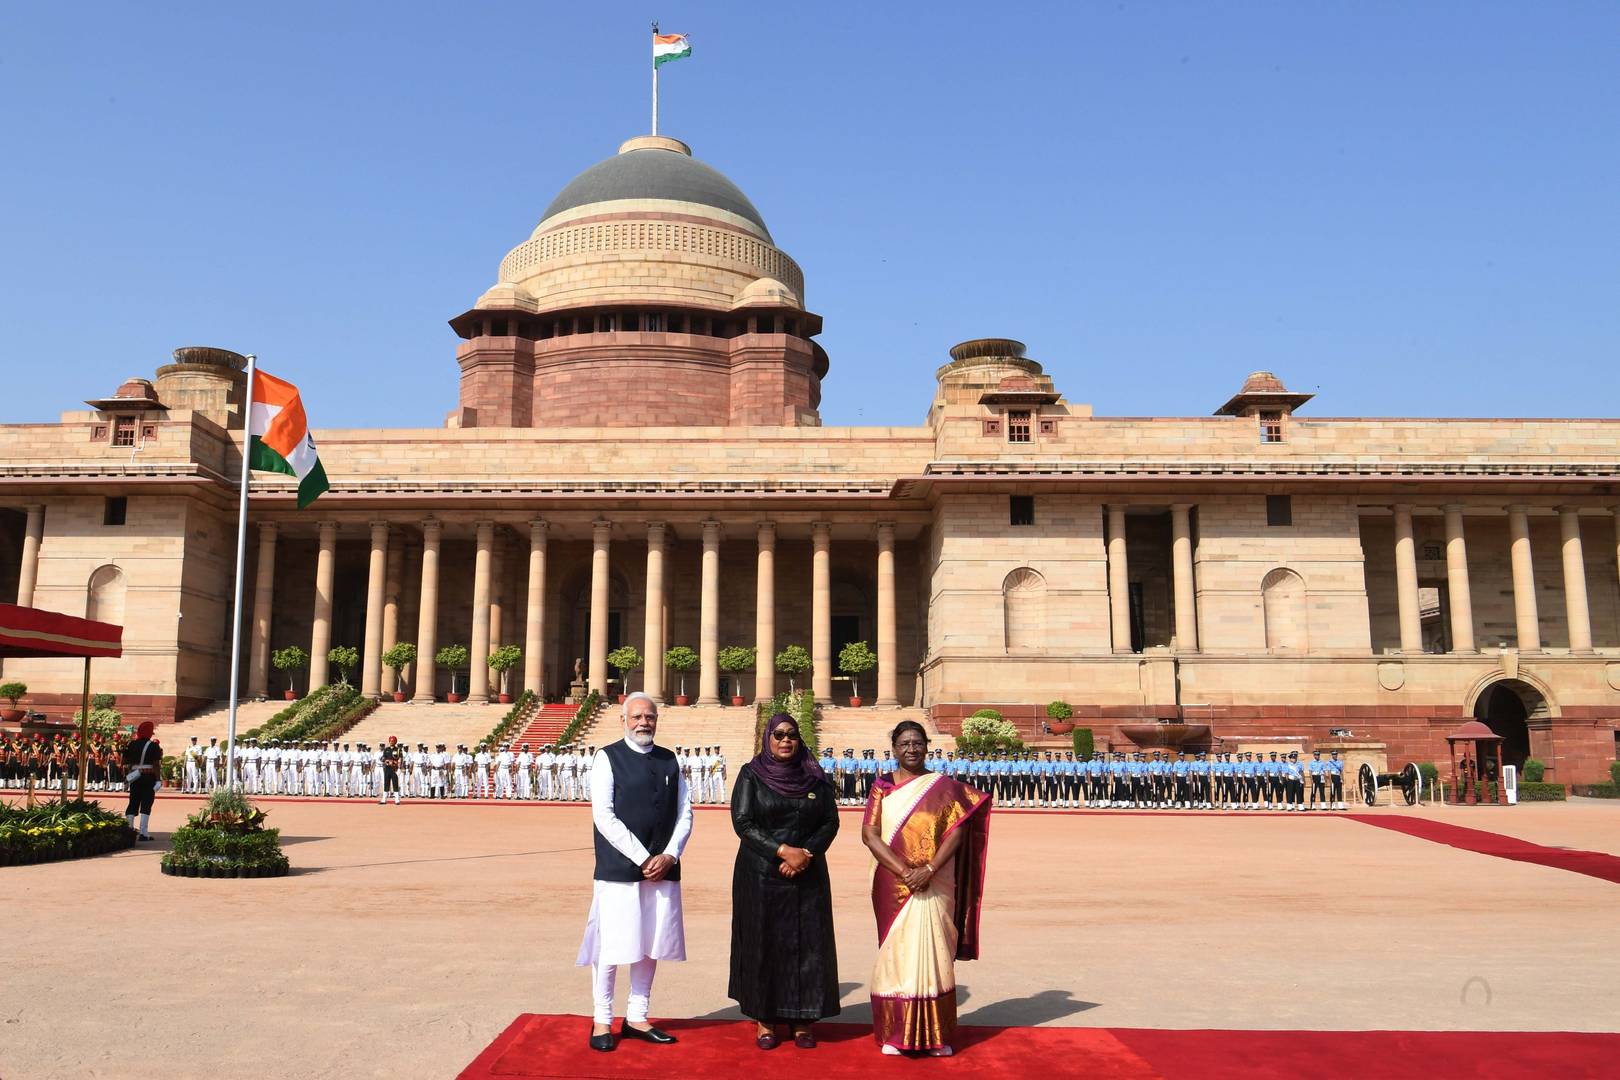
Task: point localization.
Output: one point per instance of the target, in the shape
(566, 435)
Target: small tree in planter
(290, 660)
(624, 660)
(1058, 712)
(501, 661)
(452, 658)
(792, 661)
(856, 659)
(680, 659)
(397, 659)
(734, 659)
(12, 692)
(344, 658)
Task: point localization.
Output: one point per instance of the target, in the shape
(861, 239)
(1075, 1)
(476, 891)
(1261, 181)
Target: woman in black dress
(784, 964)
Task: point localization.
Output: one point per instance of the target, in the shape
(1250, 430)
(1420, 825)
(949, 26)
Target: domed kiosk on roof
(651, 292)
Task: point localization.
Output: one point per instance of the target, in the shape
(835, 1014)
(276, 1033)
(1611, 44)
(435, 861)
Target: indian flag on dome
(280, 437)
(667, 47)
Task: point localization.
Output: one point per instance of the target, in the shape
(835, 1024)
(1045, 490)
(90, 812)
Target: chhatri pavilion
(1263, 569)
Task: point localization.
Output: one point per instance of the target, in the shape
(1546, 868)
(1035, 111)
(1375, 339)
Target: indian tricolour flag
(667, 47)
(280, 437)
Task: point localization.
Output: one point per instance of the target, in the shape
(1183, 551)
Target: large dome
(654, 168)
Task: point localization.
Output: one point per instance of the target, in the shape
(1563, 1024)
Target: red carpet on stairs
(537, 1046)
(1591, 863)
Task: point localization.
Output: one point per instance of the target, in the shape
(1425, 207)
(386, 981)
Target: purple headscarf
(794, 778)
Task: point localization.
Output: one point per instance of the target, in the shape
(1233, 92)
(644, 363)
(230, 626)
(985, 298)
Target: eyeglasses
(784, 736)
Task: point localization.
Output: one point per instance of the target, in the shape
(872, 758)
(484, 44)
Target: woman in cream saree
(928, 834)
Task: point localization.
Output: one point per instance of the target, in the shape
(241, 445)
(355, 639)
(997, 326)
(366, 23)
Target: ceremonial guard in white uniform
(193, 775)
(211, 764)
(525, 781)
(641, 813)
(438, 766)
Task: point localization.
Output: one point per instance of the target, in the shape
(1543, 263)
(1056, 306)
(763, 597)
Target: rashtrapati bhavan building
(637, 458)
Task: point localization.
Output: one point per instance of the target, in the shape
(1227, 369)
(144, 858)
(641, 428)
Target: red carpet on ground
(539, 1047)
(1591, 863)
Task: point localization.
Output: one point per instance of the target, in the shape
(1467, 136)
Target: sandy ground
(409, 937)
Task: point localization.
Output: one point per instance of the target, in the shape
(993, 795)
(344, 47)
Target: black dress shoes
(652, 1035)
(604, 1041)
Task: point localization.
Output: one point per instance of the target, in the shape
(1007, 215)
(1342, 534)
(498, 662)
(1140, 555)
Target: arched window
(1283, 594)
(104, 599)
(1023, 596)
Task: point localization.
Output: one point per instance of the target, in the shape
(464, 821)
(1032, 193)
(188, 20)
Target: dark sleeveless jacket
(646, 797)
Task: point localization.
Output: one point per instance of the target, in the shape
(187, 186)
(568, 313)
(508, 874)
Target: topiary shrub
(502, 660)
(398, 657)
(680, 659)
(792, 661)
(1084, 744)
(1534, 771)
(289, 660)
(855, 660)
(344, 658)
(986, 732)
(1058, 710)
(452, 658)
(624, 660)
(736, 659)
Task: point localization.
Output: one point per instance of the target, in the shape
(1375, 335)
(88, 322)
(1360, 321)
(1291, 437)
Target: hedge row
(1598, 791)
(1529, 792)
(499, 733)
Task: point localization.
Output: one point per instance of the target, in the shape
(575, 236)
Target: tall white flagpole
(241, 560)
(655, 79)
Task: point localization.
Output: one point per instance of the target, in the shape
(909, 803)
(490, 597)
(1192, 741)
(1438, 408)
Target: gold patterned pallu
(921, 935)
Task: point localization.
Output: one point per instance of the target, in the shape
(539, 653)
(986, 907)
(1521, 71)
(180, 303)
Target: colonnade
(1577, 611)
(383, 589)
(1183, 587)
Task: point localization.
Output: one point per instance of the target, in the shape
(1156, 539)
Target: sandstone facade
(1272, 574)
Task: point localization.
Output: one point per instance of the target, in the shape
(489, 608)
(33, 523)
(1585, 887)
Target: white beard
(638, 738)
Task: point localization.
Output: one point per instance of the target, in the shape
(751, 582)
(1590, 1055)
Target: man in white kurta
(635, 922)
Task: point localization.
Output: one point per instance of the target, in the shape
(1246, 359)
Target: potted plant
(855, 659)
(397, 659)
(792, 661)
(13, 692)
(290, 660)
(679, 658)
(501, 661)
(734, 659)
(624, 659)
(453, 658)
(344, 658)
(1058, 712)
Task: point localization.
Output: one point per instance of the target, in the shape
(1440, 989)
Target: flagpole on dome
(655, 79)
(241, 560)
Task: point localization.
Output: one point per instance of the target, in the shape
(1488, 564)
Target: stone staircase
(868, 728)
(731, 728)
(214, 722)
(440, 722)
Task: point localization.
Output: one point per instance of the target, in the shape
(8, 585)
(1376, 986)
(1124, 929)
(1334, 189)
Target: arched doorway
(1508, 708)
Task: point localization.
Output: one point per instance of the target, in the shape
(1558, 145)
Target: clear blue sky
(1411, 209)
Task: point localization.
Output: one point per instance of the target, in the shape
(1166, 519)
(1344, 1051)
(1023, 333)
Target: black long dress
(784, 963)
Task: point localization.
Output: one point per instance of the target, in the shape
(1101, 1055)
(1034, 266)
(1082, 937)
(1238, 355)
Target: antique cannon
(1409, 782)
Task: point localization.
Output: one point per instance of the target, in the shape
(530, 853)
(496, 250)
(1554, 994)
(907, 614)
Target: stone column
(709, 618)
(821, 657)
(1406, 581)
(393, 587)
(1524, 579)
(33, 536)
(652, 640)
(1119, 581)
(534, 624)
(320, 638)
(601, 536)
(478, 673)
(264, 590)
(497, 591)
(1181, 555)
(427, 615)
(1575, 607)
(887, 677)
(765, 613)
(1462, 604)
(371, 651)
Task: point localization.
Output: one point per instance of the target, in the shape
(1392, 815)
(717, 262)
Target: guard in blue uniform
(848, 777)
(1294, 778)
(1316, 768)
(1336, 780)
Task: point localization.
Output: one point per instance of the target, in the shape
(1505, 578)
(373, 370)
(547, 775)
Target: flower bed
(226, 838)
(55, 830)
